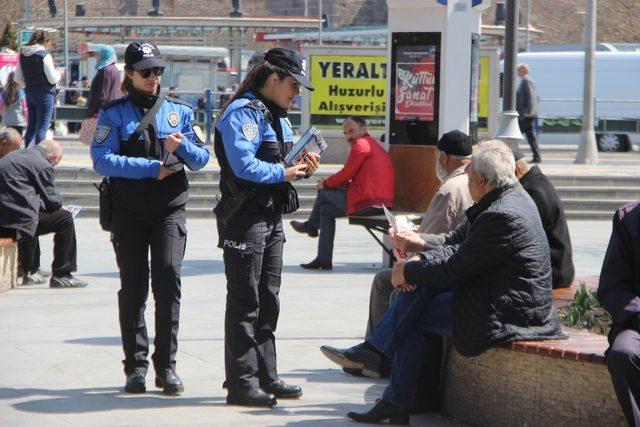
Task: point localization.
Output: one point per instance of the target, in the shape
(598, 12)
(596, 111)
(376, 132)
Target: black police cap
(142, 55)
(289, 61)
(455, 143)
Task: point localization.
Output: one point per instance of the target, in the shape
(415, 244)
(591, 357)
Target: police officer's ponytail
(255, 80)
(126, 81)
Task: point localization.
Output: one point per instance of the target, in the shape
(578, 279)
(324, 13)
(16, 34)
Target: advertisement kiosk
(433, 68)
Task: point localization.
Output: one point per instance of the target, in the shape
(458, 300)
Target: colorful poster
(8, 62)
(415, 85)
(346, 86)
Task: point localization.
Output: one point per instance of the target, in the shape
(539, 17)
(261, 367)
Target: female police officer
(142, 142)
(252, 137)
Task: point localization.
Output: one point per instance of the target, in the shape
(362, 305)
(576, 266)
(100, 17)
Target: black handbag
(292, 203)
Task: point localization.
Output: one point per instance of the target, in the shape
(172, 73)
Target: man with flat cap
(445, 212)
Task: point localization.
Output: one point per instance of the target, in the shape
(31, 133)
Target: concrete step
(588, 215)
(209, 175)
(592, 205)
(594, 181)
(210, 189)
(606, 193)
(195, 200)
(91, 211)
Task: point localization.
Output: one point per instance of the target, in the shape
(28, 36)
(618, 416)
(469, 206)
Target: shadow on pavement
(332, 375)
(116, 340)
(190, 267)
(342, 268)
(83, 400)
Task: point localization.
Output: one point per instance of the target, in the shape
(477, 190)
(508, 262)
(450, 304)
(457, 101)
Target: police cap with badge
(290, 62)
(143, 55)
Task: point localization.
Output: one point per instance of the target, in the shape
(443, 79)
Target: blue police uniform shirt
(119, 120)
(243, 129)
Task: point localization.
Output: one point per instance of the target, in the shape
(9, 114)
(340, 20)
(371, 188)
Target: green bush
(586, 312)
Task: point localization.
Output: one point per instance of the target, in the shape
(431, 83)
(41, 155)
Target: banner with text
(415, 83)
(348, 86)
(8, 63)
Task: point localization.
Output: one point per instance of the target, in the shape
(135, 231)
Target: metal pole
(510, 56)
(588, 150)
(27, 10)
(528, 38)
(509, 131)
(320, 22)
(306, 8)
(66, 46)
(208, 106)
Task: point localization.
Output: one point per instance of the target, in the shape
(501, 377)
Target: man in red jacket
(366, 181)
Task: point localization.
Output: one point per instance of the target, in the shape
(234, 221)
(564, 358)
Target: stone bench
(8, 264)
(535, 383)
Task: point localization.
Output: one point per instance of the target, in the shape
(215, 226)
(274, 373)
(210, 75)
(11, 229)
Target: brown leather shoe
(304, 228)
(317, 265)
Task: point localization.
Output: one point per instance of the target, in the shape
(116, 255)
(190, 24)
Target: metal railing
(204, 116)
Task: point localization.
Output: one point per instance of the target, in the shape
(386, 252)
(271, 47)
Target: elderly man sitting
(486, 283)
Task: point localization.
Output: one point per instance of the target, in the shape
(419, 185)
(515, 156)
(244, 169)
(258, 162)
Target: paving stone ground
(60, 349)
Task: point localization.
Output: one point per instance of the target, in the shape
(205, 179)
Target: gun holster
(105, 189)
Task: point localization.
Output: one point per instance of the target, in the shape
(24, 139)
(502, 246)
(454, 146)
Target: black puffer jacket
(499, 259)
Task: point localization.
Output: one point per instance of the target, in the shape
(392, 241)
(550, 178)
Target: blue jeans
(40, 104)
(403, 335)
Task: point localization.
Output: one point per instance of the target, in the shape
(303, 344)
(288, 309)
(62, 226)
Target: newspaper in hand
(311, 142)
(74, 209)
(396, 223)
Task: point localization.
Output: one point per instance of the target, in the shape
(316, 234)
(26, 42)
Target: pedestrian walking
(527, 106)
(37, 73)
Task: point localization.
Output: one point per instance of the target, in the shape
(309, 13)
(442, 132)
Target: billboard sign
(348, 85)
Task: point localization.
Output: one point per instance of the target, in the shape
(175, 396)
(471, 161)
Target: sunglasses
(155, 71)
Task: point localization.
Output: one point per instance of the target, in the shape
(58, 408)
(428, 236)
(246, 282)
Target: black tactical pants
(252, 246)
(165, 238)
(60, 223)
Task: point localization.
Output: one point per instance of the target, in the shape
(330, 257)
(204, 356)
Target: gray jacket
(527, 99)
(26, 183)
(499, 260)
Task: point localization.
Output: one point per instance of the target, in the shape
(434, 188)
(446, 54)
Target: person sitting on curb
(366, 181)
(26, 183)
(619, 294)
(484, 284)
(10, 140)
(554, 222)
(445, 212)
(544, 195)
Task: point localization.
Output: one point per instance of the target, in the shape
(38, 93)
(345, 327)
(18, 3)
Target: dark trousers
(133, 239)
(410, 334)
(40, 104)
(527, 126)
(623, 361)
(61, 223)
(252, 251)
(329, 205)
(381, 295)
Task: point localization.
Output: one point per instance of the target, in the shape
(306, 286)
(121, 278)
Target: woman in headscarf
(105, 85)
